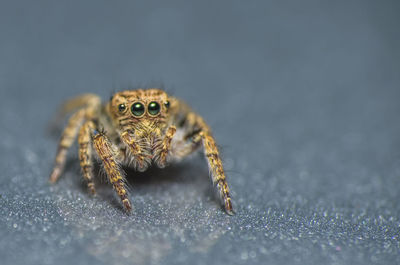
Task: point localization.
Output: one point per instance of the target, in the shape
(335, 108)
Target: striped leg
(199, 132)
(87, 101)
(105, 150)
(85, 154)
(217, 171)
(67, 138)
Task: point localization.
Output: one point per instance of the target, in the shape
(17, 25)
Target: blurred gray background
(302, 96)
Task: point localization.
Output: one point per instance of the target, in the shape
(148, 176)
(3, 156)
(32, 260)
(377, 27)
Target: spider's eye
(121, 107)
(137, 109)
(154, 108)
(166, 103)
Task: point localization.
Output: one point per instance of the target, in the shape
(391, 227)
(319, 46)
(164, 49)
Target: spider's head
(139, 109)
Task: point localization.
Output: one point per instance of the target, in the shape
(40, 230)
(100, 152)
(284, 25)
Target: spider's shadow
(154, 176)
(190, 174)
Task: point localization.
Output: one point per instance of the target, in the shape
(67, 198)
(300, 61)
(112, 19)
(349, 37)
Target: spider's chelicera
(142, 127)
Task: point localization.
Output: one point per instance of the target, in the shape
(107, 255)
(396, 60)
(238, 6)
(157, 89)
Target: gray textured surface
(303, 97)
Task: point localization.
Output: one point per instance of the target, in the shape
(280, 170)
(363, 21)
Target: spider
(136, 128)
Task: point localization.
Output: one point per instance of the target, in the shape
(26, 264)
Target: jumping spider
(136, 128)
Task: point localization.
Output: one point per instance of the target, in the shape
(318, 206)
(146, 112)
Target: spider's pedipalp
(165, 147)
(139, 159)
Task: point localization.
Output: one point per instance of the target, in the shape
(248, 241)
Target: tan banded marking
(85, 154)
(104, 149)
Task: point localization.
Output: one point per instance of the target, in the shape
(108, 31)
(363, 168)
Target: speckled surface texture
(303, 98)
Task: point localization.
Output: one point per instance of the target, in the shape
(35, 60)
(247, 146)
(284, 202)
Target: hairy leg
(198, 132)
(87, 101)
(217, 171)
(67, 138)
(85, 154)
(108, 156)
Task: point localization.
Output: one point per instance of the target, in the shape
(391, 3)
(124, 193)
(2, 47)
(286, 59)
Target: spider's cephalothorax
(136, 128)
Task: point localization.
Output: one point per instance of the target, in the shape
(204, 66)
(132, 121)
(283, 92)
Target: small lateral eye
(153, 108)
(137, 109)
(166, 104)
(121, 108)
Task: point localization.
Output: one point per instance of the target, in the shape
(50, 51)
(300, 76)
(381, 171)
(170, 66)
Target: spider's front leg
(108, 156)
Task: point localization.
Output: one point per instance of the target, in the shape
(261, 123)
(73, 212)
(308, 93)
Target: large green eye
(153, 108)
(137, 109)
